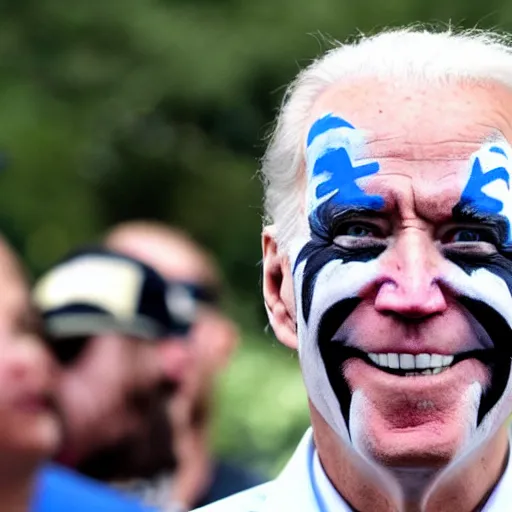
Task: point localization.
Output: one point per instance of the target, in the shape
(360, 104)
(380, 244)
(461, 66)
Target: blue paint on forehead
(473, 192)
(342, 180)
(486, 171)
(331, 168)
(325, 124)
(497, 149)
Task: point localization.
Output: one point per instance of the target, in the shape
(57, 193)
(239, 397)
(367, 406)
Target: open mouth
(411, 365)
(497, 359)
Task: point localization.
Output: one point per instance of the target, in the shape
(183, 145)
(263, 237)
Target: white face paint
(331, 275)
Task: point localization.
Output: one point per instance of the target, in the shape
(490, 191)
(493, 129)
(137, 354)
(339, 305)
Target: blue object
(326, 123)
(229, 479)
(62, 490)
(341, 184)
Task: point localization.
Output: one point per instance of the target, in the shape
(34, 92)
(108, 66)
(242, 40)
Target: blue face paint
(328, 122)
(488, 186)
(325, 271)
(333, 148)
(333, 145)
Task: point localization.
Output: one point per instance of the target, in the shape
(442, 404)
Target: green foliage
(262, 410)
(158, 108)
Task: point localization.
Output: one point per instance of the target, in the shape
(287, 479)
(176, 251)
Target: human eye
(470, 235)
(471, 238)
(358, 233)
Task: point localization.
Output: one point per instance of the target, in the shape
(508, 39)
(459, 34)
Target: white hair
(411, 54)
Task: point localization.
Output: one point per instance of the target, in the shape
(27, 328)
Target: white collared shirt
(303, 486)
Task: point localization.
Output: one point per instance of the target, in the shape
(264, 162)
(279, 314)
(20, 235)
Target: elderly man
(200, 478)
(105, 315)
(387, 263)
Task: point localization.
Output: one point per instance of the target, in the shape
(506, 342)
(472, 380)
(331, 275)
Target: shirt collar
(326, 495)
(303, 485)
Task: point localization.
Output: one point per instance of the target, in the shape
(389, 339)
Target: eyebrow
(336, 213)
(471, 215)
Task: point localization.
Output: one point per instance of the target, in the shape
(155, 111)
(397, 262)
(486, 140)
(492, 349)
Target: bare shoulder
(251, 500)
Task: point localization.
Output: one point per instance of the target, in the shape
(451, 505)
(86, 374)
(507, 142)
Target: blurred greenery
(158, 109)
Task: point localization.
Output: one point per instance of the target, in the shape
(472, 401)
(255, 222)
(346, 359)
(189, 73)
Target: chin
(40, 440)
(415, 421)
(431, 445)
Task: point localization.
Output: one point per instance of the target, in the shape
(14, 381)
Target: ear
(278, 290)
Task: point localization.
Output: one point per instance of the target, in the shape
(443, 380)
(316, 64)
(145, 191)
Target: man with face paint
(388, 266)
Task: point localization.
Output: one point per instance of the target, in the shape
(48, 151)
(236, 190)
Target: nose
(175, 359)
(30, 360)
(410, 283)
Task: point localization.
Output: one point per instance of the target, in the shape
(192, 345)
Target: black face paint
(317, 253)
(334, 353)
(321, 249)
(498, 263)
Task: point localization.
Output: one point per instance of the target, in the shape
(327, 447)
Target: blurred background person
(200, 477)
(105, 317)
(156, 111)
(31, 426)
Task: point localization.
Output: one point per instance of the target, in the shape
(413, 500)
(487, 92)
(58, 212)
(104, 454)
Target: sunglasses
(209, 295)
(67, 350)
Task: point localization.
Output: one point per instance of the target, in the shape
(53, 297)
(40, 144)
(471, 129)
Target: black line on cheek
(498, 263)
(495, 325)
(321, 250)
(335, 353)
(499, 332)
(317, 255)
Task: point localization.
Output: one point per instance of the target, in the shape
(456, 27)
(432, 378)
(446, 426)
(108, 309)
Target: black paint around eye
(492, 228)
(358, 230)
(467, 235)
(321, 250)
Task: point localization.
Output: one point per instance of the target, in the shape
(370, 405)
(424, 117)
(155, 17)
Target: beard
(143, 456)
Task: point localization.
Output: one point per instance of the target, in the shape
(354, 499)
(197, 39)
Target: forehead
(14, 292)
(172, 257)
(422, 136)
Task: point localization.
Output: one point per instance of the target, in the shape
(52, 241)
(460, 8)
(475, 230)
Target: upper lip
(492, 331)
(32, 400)
(488, 327)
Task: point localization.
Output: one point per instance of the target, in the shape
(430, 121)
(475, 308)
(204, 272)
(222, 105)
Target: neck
(16, 484)
(194, 472)
(464, 490)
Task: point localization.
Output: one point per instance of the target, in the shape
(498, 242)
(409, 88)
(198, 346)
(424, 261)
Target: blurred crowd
(108, 372)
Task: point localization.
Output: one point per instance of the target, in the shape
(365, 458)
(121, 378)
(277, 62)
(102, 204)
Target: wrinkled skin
(406, 253)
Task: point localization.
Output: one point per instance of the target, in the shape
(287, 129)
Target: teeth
(429, 364)
(374, 358)
(436, 360)
(393, 361)
(447, 360)
(435, 371)
(423, 361)
(407, 361)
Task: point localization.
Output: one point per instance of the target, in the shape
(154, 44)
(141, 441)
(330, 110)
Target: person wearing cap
(31, 427)
(200, 477)
(104, 314)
